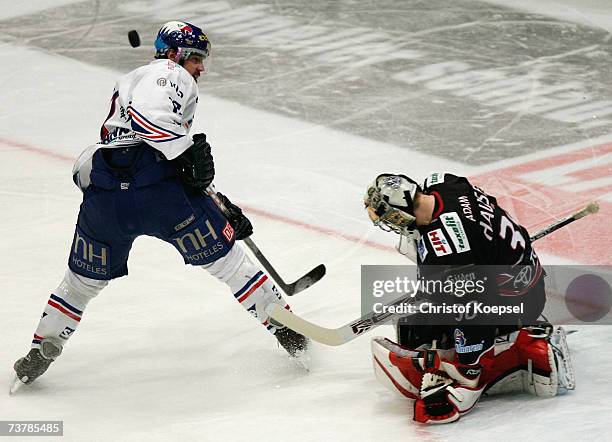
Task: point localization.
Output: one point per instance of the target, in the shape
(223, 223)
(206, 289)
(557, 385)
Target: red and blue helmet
(185, 38)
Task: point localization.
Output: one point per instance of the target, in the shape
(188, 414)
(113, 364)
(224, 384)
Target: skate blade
(17, 384)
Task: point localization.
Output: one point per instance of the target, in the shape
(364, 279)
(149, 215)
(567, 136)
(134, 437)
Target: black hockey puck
(134, 38)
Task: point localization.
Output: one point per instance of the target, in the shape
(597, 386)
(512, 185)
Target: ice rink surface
(305, 104)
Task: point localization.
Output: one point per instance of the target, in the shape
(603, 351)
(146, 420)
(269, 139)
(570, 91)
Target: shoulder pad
(170, 75)
(443, 178)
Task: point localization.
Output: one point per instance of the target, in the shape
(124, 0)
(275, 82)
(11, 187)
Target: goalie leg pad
(535, 363)
(396, 367)
(565, 369)
(541, 377)
(444, 389)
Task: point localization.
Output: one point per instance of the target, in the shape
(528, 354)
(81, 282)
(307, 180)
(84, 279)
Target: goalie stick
(289, 289)
(592, 207)
(350, 331)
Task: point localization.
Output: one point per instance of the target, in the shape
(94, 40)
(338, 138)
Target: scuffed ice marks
(436, 76)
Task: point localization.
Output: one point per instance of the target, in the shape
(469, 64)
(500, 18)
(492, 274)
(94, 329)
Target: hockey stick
(292, 288)
(350, 331)
(592, 207)
(289, 289)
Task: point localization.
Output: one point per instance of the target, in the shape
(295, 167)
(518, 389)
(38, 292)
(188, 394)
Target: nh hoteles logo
(196, 239)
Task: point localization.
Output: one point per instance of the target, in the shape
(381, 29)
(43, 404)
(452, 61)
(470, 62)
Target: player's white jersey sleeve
(153, 103)
(162, 106)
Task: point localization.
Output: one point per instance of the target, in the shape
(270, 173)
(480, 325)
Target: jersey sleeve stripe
(150, 131)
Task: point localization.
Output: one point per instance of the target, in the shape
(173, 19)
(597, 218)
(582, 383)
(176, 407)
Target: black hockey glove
(241, 224)
(197, 168)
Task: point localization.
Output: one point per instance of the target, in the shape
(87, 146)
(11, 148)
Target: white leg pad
(225, 268)
(250, 285)
(65, 308)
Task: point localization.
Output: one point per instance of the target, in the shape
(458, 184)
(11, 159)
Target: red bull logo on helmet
(186, 29)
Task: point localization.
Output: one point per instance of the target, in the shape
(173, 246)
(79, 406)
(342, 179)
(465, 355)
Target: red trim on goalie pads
(400, 374)
(402, 390)
(495, 367)
(409, 368)
(401, 369)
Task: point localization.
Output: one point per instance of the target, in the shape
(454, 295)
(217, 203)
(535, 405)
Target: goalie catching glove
(197, 168)
(239, 222)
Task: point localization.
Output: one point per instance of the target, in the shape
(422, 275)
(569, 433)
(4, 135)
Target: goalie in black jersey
(455, 232)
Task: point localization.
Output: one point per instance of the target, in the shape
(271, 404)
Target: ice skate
(296, 345)
(34, 364)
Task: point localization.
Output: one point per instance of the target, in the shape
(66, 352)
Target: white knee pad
(224, 268)
(80, 288)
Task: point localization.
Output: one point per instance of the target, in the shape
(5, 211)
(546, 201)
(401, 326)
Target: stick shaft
(592, 207)
(263, 260)
(248, 241)
(289, 288)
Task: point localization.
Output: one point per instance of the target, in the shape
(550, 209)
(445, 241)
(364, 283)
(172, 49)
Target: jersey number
(517, 238)
(175, 105)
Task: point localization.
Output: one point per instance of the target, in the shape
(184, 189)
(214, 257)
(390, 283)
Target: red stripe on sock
(258, 284)
(64, 311)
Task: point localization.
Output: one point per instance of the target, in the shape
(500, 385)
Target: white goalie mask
(390, 203)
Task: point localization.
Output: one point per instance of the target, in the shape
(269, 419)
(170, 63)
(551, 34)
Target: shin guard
(65, 307)
(251, 287)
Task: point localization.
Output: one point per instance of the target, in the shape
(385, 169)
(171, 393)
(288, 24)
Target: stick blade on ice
(315, 332)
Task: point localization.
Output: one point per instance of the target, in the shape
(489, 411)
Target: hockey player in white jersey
(445, 364)
(147, 176)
